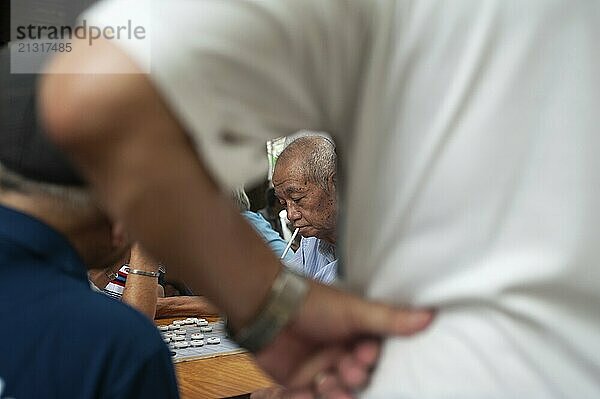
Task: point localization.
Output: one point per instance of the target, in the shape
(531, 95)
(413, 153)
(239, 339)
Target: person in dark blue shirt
(59, 339)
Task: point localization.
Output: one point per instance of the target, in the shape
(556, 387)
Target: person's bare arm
(140, 291)
(145, 172)
(178, 306)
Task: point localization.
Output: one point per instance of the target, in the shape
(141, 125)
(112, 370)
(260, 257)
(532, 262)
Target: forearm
(178, 306)
(140, 291)
(146, 173)
(196, 224)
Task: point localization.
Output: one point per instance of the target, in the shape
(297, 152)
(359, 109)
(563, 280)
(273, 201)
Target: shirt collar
(326, 249)
(39, 238)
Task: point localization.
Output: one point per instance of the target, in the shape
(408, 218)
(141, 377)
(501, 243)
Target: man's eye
(296, 200)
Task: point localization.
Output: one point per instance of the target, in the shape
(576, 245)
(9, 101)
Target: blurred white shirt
(469, 137)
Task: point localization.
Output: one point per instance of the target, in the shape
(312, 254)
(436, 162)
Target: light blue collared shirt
(270, 236)
(316, 259)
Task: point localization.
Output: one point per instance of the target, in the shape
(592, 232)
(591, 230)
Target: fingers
(335, 372)
(367, 352)
(300, 394)
(354, 368)
(342, 316)
(381, 320)
(351, 373)
(336, 335)
(269, 393)
(324, 360)
(329, 387)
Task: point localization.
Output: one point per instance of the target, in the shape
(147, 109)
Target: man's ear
(332, 181)
(119, 236)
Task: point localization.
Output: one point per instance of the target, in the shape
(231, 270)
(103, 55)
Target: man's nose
(293, 213)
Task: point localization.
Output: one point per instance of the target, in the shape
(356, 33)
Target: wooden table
(218, 377)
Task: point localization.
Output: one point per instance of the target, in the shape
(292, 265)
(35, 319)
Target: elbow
(72, 108)
(59, 108)
(78, 100)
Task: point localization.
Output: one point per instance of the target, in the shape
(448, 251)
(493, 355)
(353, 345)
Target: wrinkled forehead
(289, 178)
(288, 187)
(286, 169)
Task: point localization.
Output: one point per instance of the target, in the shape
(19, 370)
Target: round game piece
(163, 328)
(197, 336)
(213, 340)
(181, 344)
(178, 322)
(197, 342)
(192, 319)
(178, 338)
(173, 353)
(169, 334)
(180, 332)
(174, 327)
(206, 328)
(167, 339)
(201, 323)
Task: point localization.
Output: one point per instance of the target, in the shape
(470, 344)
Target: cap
(24, 147)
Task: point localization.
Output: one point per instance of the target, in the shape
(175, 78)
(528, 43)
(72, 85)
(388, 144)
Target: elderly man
(305, 183)
(59, 339)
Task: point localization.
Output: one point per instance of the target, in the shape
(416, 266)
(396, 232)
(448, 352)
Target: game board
(225, 347)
